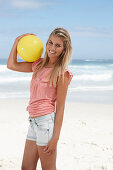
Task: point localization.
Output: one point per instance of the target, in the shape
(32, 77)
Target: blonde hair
(63, 60)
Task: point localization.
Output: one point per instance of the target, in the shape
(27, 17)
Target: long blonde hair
(63, 60)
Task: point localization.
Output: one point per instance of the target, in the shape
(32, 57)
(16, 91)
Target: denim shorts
(41, 129)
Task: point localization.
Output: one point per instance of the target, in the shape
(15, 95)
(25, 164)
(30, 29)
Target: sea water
(92, 81)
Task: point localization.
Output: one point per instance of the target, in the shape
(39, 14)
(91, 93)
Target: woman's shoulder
(35, 63)
(67, 73)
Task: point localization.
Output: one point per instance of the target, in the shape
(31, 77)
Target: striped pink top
(42, 97)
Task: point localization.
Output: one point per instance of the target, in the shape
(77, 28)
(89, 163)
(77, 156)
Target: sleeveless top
(42, 97)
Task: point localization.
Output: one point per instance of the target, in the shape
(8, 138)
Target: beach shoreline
(85, 139)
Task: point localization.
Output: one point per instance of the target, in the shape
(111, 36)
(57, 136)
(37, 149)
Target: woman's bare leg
(31, 156)
(48, 161)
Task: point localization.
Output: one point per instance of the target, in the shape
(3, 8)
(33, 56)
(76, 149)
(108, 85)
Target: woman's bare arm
(12, 60)
(60, 105)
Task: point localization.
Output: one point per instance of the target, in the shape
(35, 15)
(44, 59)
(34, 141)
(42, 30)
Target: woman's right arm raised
(12, 60)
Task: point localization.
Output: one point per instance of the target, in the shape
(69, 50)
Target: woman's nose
(53, 47)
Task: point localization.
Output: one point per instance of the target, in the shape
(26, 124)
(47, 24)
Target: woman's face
(54, 47)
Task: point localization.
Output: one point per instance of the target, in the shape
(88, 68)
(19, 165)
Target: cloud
(25, 4)
(14, 31)
(12, 8)
(92, 32)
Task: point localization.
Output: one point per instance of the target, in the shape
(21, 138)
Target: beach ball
(30, 48)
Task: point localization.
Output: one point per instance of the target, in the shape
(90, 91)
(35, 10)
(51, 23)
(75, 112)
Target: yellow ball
(30, 48)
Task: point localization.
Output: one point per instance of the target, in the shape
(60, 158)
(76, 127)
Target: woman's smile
(54, 47)
(52, 52)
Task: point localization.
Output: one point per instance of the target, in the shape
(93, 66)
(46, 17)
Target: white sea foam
(91, 88)
(94, 77)
(86, 66)
(14, 79)
(87, 77)
(3, 68)
(14, 95)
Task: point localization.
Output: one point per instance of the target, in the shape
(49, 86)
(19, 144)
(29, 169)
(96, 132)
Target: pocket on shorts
(43, 125)
(44, 132)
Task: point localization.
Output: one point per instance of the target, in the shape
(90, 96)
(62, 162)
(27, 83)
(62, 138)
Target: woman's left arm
(60, 105)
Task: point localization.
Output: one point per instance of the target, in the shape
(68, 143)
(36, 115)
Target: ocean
(92, 82)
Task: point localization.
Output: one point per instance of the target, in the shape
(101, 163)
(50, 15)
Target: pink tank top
(42, 97)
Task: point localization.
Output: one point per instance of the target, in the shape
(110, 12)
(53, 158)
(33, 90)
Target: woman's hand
(51, 146)
(19, 37)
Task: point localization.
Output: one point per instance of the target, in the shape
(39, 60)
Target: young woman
(48, 90)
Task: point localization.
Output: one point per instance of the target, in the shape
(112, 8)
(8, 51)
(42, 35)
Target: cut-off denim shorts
(41, 129)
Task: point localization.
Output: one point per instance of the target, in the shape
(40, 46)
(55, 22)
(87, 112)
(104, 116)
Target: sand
(86, 138)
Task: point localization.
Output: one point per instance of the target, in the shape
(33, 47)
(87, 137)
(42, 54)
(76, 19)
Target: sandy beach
(86, 139)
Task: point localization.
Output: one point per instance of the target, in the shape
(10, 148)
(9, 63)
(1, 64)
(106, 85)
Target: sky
(89, 22)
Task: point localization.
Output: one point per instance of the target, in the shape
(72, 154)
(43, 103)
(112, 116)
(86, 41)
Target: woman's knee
(25, 167)
(49, 168)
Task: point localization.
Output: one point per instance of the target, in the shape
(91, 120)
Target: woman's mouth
(52, 52)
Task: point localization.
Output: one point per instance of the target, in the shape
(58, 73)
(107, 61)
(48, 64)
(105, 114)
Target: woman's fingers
(19, 37)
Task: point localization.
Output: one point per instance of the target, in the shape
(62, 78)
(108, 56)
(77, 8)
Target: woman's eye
(57, 45)
(50, 43)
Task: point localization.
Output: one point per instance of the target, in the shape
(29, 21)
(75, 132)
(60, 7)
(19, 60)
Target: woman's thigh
(31, 155)
(48, 161)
